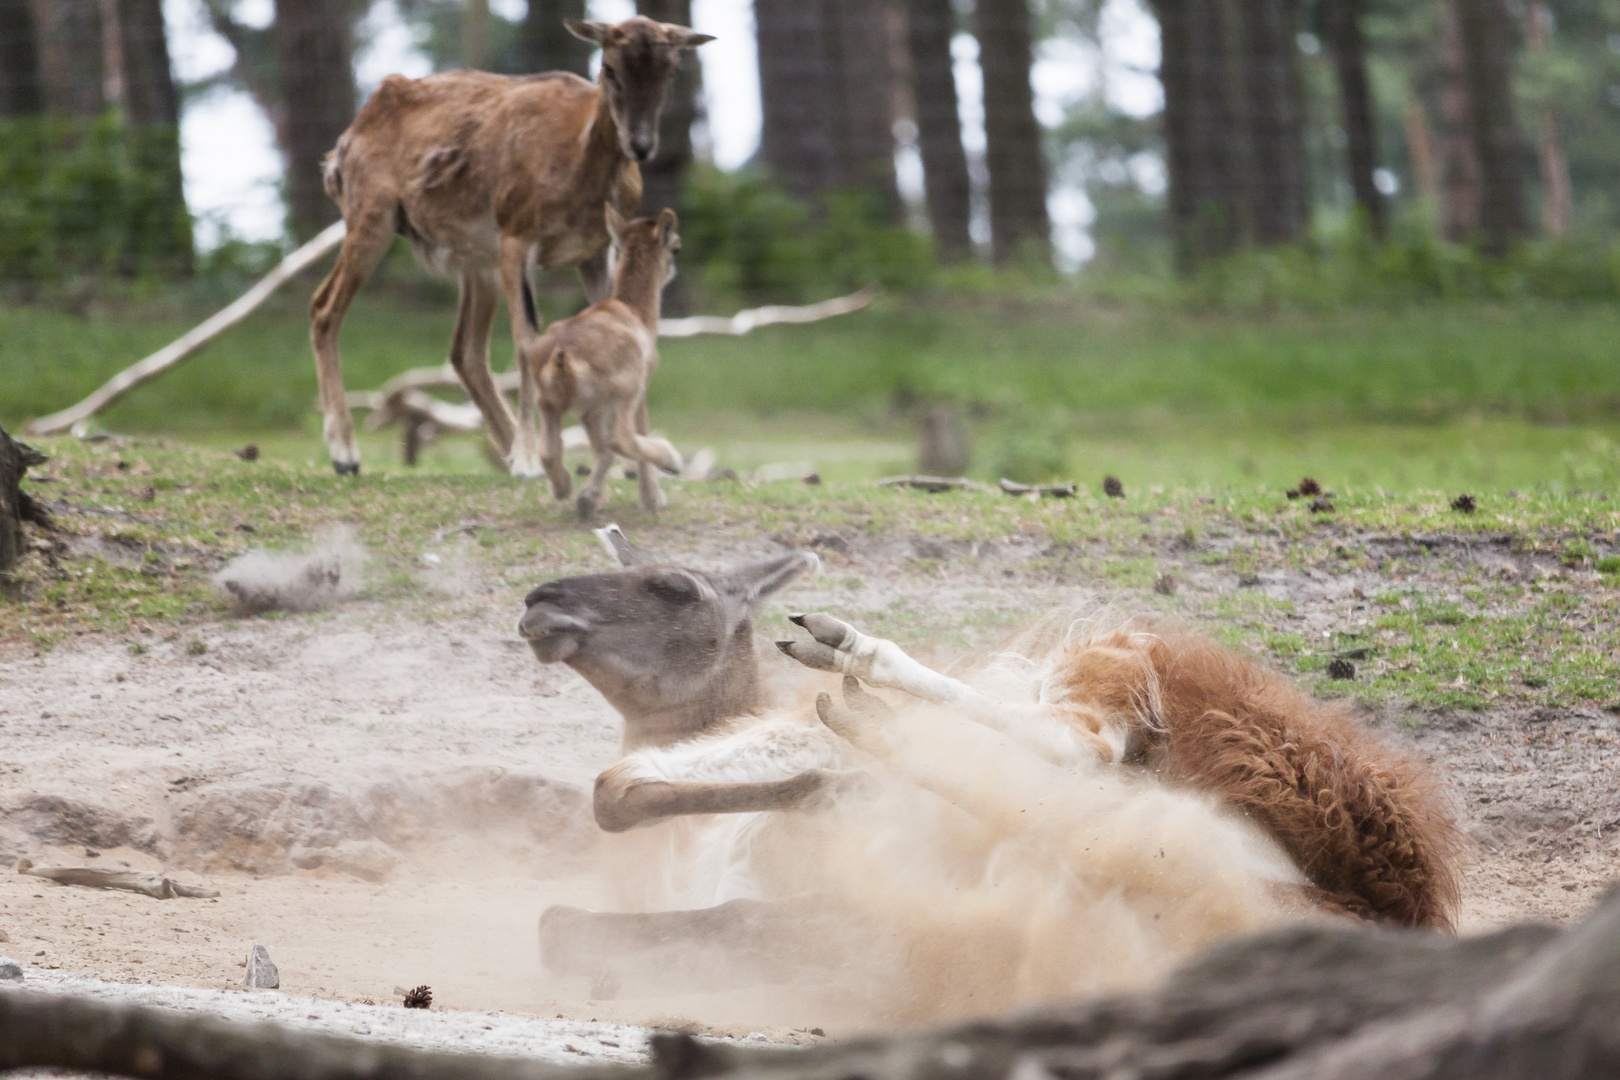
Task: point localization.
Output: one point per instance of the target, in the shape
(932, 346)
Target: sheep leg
(598, 427)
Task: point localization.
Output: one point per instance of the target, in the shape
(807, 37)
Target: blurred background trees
(1287, 125)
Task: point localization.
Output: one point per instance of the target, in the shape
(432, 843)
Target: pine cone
(1308, 486)
(1113, 488)
(420, 998)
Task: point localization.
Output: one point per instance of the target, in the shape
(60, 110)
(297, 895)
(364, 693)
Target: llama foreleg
(840, 647)
(624, 800)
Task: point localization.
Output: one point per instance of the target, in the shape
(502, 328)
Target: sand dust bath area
(387, 794)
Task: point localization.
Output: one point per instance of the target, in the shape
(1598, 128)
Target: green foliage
(1349, 268)
(89, 196)
(745, 239)
(1031, 447)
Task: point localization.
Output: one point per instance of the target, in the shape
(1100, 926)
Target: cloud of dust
(968, 877)
(330, 571)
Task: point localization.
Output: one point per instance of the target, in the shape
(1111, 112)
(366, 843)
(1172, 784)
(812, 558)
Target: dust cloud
(329, 571)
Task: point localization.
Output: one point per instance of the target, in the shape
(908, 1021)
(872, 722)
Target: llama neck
(730, 691)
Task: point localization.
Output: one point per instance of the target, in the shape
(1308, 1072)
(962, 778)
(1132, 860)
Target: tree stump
(15, 506)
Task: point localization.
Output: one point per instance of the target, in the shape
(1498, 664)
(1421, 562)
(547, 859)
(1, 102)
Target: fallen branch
(138, 881)
(1312, 1002)
(1040, 491)
(934, 485)
(745, 321)
(176, 351)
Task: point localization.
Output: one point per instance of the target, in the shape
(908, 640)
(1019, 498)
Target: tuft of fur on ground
(262, 581)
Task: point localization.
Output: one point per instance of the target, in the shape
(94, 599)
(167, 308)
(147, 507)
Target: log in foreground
(1317, 1002)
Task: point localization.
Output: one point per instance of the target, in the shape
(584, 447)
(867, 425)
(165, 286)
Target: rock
(261, 972)
(10, 970)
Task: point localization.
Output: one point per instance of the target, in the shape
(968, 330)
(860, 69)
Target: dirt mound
(310, 824)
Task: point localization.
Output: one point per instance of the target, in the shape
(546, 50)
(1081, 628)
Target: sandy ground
(388, 800)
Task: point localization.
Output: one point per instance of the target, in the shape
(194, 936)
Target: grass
(1447, 395)
(146, 521)
(1207, 417)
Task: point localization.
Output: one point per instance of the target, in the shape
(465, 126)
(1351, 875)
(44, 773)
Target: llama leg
(838, 646)
(757, 940)
(625, 797)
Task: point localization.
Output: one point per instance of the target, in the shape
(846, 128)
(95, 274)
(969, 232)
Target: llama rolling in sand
(1075, 814)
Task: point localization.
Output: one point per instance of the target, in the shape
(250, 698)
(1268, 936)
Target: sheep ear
(615, 223)
(667, 221)
(682, 37)
(586, 30)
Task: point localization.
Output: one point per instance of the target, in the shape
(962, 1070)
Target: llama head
(670, 647)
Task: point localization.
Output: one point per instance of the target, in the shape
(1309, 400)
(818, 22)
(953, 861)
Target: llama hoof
(346, 468)
(865, 705)
(812, 654)
(831, 632)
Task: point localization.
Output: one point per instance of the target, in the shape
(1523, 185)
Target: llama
(597, 364)
(1071, 816)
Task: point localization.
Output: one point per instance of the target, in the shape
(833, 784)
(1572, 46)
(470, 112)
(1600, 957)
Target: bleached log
(1315, 1002)
(194, 339)
(745, 321)
(137, 881)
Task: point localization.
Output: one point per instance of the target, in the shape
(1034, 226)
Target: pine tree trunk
(151, 106)
(796, 93)
(1013, 152)
(1200, 130)
(1278, 203)
(931, 24)
(1487, 40)
(1343, 24)
(315, 56)
(863, 111)
(544, 43)
(21, 91)
(68, 33)
(1460, 174)
(663, 177)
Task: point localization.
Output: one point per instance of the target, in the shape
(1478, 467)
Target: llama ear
(682, 37)
(667, 221)
(618, 546)
(615, 223)
(758, 580)
(586, 30)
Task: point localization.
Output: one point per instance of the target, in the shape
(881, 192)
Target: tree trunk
(151, 107)
(15, 506)
(1200, 130)
(1460, 175)
(663, 177)
(315, 56)
(931, 24)
(21, 91)
(1013, 152)
(1487, 37)
(68, 33)
(545, 44)
(796, 90)
(863, 113)
(1558, 200)
(475, 35)
(1343, 25)
(1278, 203)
